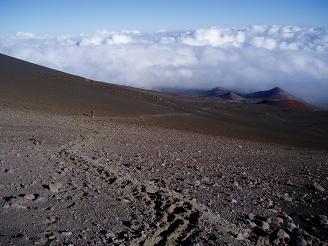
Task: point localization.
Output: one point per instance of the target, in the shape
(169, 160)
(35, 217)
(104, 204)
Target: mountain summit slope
(27, 85)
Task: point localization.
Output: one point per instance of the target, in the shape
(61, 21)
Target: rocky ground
(81, 180)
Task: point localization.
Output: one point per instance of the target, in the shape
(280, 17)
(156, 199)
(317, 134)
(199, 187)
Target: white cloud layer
(247, 59)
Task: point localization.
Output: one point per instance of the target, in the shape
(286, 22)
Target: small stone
(252, 224)
(51, 236)
(289, 219)
(251, 216)
(17, 206)
(66, 233)
(281, 237)
(268, 220)
(41, 241)
(316, 186)
(323, 220)
(50, 208)
(6, 205)
(54, 187)
(51, 219)
(278, 221)
(110, 235)
(291, 226)
(287, 198)
(247, 233)
(29, 197)
(265, 226)
(233, 201)
(300, 241)
(262, 241)
(268, 203)
(151, 188)
(240, 236)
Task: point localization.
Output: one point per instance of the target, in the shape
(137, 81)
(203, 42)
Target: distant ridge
(280, 98)
(215, 92)
(275, 93)
(232, 96)
(274, 97)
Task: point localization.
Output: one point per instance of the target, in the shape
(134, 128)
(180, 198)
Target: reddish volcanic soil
(290, 104)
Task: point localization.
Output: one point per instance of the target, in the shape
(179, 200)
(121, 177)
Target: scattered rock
(277, 221)
(51, 236)
(53, 187)
(252, 224)
(240, 236)
(71, 205)
(51, 219)
(323, 220)
(291, 226)
(66, 233)
(287, 197)
(29, 197)
(268, 203)
(265, 226)
(268, 220)
(316, 186)
(262, 241)
(6, 205)
(151, 188)
(300, 241)
(281, 237)
(17, 206)
(251, 216)
(247, 233)
(233, 201)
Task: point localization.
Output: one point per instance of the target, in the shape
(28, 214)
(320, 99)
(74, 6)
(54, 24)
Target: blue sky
(74, 16)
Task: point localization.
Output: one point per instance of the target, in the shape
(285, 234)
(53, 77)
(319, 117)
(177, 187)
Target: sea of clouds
(244, 59)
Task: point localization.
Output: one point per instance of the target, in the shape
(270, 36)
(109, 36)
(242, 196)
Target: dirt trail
(173, 219)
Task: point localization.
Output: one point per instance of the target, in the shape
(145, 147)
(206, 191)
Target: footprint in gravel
(169, 218)
(88, 166)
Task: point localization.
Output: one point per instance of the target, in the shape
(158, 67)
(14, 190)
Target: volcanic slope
(29, 86)
(125, 177)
